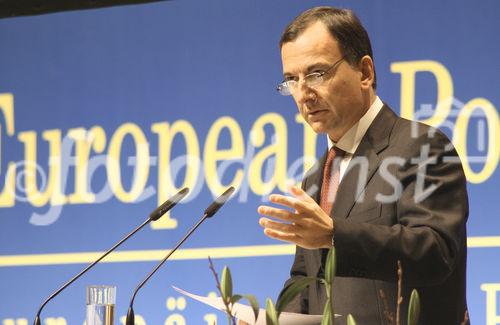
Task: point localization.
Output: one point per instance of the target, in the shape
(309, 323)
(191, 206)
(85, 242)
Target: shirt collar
(350, 141)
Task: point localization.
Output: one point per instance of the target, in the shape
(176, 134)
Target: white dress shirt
(350, 141)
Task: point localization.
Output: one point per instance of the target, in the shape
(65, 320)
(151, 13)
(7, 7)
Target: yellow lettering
(491, 290)
(460, 138)
(53, 180)
(210, 319)
(212, 154)
(7, 194)
(7, 107)
(278, 149)
(141, 162)
(175, 319)
(166, 185)
(444, 81)
(55, 321)
(19, 321)
(85, 141)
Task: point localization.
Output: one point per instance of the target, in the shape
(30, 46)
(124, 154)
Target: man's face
(334, 106)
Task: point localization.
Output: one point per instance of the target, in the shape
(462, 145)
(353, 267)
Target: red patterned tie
(331, 177)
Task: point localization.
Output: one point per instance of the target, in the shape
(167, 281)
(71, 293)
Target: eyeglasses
(313, 79)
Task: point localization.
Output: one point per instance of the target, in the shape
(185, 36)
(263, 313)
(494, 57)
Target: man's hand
(307, 226)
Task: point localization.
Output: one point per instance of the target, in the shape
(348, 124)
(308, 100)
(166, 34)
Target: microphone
(155, 215)
(209, 212)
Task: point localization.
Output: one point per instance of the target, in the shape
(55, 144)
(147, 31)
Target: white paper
(245, 313)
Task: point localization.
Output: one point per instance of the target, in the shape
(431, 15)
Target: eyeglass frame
(284, 89)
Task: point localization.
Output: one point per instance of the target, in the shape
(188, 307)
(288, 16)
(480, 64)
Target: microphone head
(219, 202)
(168, 204)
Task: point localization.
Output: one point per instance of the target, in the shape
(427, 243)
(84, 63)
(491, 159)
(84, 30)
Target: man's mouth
(317, 112)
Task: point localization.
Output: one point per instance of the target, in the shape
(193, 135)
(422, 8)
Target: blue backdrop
(105, 113)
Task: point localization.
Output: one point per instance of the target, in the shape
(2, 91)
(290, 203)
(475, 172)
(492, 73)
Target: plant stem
(388, 314)
(230, 318)
(400, 298)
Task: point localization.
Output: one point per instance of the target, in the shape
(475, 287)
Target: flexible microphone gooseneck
(209, 212)
(155, 215)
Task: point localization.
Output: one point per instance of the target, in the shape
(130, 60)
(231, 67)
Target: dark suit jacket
(424, 227)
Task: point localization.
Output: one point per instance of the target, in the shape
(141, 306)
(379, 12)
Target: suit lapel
(364, 163)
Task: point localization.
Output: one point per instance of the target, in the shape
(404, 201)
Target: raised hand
(306, 225)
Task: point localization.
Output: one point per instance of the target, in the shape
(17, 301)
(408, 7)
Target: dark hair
(344, 26)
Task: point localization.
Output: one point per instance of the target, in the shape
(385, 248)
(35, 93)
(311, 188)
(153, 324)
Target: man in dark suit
(388, 189)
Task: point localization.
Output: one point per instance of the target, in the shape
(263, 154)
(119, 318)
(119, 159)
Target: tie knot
(338, 151)
(334, 152)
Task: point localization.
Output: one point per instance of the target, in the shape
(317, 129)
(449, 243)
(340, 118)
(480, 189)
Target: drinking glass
(101, 301)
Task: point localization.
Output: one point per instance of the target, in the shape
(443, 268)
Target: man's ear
(367, 69)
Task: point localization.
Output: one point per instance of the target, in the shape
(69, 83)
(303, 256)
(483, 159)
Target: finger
(291, 238)
(278, 226)
(281, 214)
(288, 201)
(301, 194)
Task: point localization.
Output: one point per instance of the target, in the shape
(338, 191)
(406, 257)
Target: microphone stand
(209, 212)
(155, 215)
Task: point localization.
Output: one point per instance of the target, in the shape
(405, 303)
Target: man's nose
(304, 93)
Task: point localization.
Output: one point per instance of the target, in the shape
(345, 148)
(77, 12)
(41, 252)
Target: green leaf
(254, 304)
(226, 284)
(235, 298)
(327, 314)
(414, 308)
(350, 320)
(331, 266)
(271, 315)
(293, 290)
